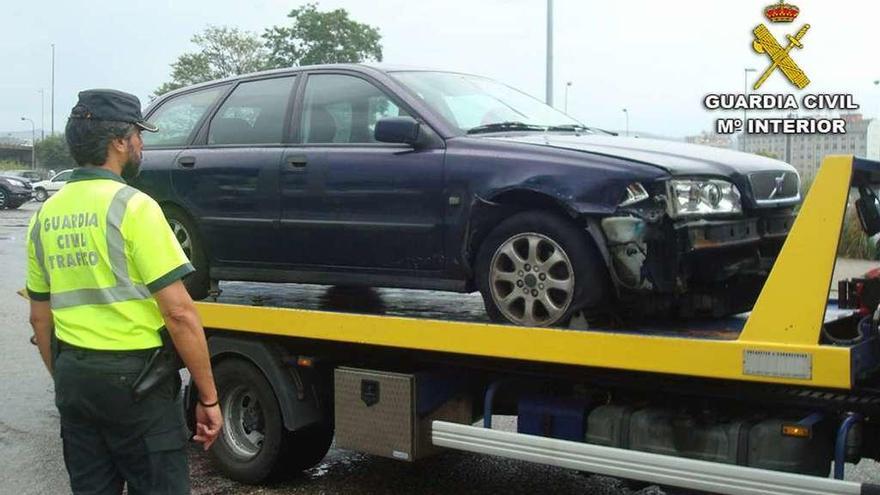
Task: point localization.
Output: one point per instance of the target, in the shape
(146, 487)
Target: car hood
(673, 157)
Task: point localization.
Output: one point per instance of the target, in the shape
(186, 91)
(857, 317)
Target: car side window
(253, 113)
(62, 177)
(178, 117)
(343, 109)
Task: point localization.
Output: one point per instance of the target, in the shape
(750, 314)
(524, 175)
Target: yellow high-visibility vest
(97, 251)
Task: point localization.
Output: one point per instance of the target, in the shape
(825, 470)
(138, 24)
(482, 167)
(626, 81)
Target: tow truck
(772, 402)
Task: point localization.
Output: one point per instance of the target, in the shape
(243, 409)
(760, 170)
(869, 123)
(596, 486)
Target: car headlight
(702, 197)
(15, 182)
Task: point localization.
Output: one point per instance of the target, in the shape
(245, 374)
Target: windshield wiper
(505, 126)
(571, 127)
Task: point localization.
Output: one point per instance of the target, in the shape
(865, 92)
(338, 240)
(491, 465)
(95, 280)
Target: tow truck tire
(253, 442)
(197, 283)
(579, 263)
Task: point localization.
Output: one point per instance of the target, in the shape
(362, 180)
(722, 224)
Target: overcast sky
(656, 58)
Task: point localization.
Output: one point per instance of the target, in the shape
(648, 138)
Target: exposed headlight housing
(635, 192)
(693, 197)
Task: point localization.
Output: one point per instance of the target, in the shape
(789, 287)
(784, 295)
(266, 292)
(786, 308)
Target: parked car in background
(45, 188)
(14, 191)
(360, 175)
(28, 175)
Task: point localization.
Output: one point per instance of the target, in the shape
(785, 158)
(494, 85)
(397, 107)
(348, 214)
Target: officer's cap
(111, 105)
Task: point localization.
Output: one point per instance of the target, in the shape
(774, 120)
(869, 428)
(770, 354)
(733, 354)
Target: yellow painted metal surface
(623, 351)
(787, 317)
(791, 307)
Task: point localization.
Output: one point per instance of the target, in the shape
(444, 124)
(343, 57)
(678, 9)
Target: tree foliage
(223, 52)
(52, 153)
(315, 37)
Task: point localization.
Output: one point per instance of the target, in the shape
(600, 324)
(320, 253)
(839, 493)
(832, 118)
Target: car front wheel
(41, 195)
(4, 199)
(537, 269)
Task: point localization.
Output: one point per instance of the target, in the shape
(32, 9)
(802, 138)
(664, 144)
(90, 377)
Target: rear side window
(62, 177)
(343, 109)
(178, 117)
(253, 113)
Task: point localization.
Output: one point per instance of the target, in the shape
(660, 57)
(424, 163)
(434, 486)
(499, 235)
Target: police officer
(104, 275)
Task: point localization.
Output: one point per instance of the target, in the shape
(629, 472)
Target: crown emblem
(782, 12)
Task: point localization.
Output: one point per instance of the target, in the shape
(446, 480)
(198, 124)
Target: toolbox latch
(370, 392)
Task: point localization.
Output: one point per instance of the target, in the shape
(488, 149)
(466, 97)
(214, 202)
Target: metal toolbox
(390, 414)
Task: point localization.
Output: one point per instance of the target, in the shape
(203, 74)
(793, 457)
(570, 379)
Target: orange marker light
(796, 431)
(305, 362)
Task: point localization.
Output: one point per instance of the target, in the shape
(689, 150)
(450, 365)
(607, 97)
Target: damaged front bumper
(719, 234)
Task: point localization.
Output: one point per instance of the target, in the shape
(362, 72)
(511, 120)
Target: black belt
(64, 346)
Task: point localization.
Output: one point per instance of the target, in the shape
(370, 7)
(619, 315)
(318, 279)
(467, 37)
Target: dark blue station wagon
(363, 176)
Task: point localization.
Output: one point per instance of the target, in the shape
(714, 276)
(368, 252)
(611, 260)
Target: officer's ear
(119, 144)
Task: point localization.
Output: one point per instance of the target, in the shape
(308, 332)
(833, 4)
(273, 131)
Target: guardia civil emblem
(780, 57)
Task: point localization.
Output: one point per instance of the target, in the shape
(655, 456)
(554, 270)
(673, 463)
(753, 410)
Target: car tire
(538, 269)
(253, 445)
(184, 229)
(4, 198)
(41, 195)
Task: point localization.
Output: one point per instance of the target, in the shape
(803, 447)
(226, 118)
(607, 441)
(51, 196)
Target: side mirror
(868, 208)
(397, 130)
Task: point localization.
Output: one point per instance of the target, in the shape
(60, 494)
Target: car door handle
(297, 162)
(187, 161)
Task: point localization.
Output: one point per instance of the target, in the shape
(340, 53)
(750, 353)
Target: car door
(348, 201)
(229, 178)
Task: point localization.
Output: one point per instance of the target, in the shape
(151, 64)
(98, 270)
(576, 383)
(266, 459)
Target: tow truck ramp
(693, 474)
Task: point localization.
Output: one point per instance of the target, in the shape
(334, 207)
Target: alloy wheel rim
(41, 195)
(531, 280)
(2, 198)
(244, 422)
(182, 236)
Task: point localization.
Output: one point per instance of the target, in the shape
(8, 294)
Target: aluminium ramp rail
(643, 466)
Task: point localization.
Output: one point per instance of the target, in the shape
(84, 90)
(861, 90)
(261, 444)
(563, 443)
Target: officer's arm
(41, 321)
(186, 331)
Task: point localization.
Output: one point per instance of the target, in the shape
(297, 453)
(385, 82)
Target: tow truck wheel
(197, 283)
(537, 269)
(253, 444)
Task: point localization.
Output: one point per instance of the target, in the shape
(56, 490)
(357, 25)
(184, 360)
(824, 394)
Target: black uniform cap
(110, 105)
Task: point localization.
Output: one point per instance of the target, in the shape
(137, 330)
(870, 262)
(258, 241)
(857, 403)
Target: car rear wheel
(537, 269)
(198, 282)
(41, 195)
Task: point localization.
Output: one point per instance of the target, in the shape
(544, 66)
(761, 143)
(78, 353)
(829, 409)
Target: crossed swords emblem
(765, 43)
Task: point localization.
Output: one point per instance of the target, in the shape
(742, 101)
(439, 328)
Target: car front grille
(775, 187)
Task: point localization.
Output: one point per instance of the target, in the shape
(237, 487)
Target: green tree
(52, 153)
(316, 37)
(223, 52)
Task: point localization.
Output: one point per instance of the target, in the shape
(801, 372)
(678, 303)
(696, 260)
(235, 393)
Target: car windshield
(478, 104)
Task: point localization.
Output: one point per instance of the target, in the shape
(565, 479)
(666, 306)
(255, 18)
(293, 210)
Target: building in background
(806, 151)
(710, 139)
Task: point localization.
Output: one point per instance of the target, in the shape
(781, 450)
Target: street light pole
(745, 92)
(42, 114)
(626, 113)
(567, 85)
(549, 53)
(52, 106)
(33, 142)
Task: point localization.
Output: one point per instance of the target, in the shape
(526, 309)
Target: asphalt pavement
(30, 447)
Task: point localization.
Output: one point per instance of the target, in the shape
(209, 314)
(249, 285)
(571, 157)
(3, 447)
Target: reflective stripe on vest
(124, 290)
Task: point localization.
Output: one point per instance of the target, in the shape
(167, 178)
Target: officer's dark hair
(88, 139)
